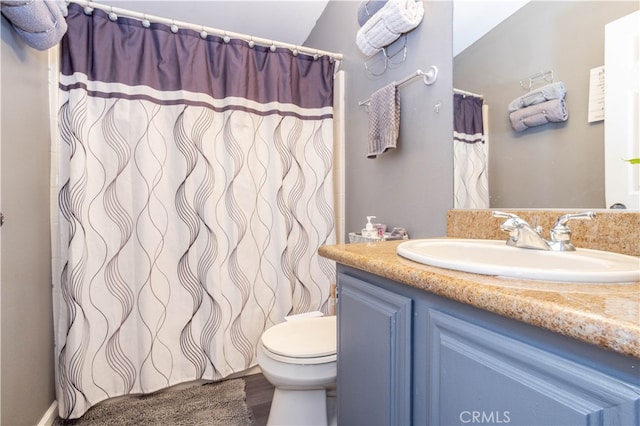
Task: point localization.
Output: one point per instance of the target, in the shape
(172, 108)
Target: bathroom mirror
(557, 165)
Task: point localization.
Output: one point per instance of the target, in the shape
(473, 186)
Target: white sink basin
(491, 257)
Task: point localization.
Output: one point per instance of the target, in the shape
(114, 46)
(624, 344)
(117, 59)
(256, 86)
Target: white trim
(339, 155)
(50, 415)
(179, 95)
(54, 95)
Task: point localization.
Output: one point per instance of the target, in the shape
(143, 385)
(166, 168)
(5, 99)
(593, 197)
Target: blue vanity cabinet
(469, 366)
(374, 355)
(482, 373)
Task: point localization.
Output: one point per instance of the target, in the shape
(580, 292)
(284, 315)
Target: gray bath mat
(221, 403)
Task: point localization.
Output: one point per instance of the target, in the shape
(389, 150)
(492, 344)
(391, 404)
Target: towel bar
(429, 77)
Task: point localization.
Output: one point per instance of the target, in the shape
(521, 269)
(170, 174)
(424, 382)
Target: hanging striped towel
(384, 120)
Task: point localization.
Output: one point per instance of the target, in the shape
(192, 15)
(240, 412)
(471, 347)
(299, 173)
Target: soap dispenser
(369, 231)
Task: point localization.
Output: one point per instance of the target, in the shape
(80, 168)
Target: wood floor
(259, 394)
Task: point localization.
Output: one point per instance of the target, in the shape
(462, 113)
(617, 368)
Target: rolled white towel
(553, 111)
(32, 17)
(40, 23)
(545, 93)
(385, 26)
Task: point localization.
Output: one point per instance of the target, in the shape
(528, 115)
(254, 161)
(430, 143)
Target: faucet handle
(521, 234)
(512, 222)
(562, 233)
(513, 225)
(562, 220)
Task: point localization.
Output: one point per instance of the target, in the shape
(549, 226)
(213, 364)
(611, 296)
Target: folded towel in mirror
(368, 8)
(545, 93)
(553, 111)
(384, 120)
(385, 26)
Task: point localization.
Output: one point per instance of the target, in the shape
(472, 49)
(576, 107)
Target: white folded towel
(384, 120)
(40, 23)
(553, 111)
(386, 25)
(545, 93)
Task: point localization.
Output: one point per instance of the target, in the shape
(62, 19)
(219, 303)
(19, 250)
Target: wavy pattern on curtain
(470, 173)
(191, 205)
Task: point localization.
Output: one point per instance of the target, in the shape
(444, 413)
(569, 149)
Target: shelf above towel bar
(429, 77)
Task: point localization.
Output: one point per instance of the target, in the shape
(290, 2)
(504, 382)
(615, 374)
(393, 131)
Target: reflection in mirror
(557, 164)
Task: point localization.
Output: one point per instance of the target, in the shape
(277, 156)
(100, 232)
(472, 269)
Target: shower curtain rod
(226, 35)
(465, 93)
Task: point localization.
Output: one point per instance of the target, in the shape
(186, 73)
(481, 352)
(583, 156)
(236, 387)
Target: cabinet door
(479, 375)
(374, 355)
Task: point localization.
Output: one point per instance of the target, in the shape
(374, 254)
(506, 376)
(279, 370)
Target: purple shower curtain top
(184, 61)
(467, 119)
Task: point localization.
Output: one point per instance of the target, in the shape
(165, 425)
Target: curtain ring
(295, 51)
(145, 21)
(112, 16)
(88, 10)
(316, 56)
(203, 33)
(226, 38)
(273, 46)
(174, 27)
(251, 43)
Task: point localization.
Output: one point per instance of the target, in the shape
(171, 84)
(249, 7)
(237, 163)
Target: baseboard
(50, 415)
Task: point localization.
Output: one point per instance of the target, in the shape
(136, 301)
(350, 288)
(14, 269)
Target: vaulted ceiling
(292, 21)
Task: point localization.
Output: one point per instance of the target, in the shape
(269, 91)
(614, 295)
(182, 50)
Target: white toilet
(299, 359)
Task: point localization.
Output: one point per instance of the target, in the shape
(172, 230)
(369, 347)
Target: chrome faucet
(522, 235)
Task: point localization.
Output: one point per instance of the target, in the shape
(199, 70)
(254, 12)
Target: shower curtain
(471, 182)
(194, 188)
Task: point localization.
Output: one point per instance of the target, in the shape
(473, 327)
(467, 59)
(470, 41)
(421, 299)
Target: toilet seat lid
(302, 338)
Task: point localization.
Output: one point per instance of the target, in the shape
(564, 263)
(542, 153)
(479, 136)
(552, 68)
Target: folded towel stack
(393, 19)
(554, 111)
(545, 93)
(40, 23)
(384, 120)
(541, 106)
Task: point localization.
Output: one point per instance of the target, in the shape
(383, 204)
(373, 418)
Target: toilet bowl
(299, 359)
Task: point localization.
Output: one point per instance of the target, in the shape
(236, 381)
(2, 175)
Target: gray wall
(558, 164)
(411, 186)
(26, 368)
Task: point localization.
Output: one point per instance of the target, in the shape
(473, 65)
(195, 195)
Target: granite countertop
(607, 315)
